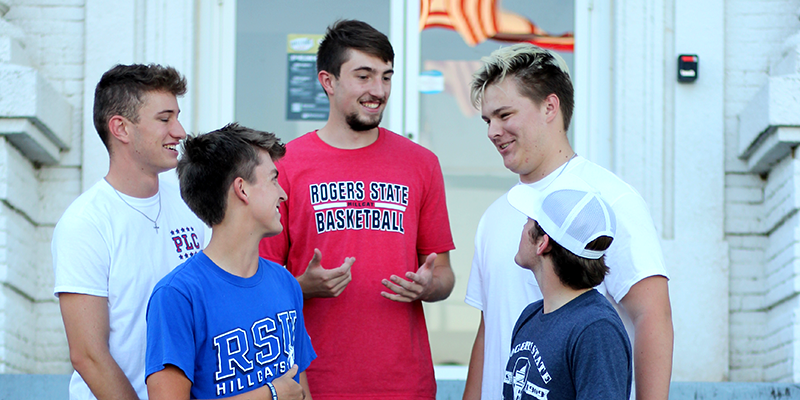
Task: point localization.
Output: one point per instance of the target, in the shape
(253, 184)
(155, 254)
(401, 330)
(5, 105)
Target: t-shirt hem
(473, 303)
(438, 249)
(162, 366)
(636, 279)
(78, 290)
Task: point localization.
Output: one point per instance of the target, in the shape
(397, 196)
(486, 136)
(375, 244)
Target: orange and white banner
(479, 20)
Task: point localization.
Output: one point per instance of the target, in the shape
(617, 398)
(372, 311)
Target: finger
(421, 277)
(401, 287)
(339, 287)
(291, 372)
(396, 297)
(316, 259)
(344, 269)
(428, 261)
(405, 284)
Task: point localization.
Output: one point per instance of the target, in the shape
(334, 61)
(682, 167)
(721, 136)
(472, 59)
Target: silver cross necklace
(154, 221)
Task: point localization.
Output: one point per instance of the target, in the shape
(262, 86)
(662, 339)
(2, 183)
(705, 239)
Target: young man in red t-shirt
(376, 200)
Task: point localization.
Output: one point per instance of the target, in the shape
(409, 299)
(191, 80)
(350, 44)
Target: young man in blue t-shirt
(572, 344)
(227, 322)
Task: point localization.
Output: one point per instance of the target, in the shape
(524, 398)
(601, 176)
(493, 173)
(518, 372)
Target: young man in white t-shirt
(526, 98)
(121, 236)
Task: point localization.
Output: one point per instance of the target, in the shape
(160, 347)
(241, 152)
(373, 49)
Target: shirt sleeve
(433, 233)
(635, 253)
(601, 361)
(81, 258)
(170, 332)
(475, 297)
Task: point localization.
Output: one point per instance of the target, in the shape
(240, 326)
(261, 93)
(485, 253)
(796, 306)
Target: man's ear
(240, 190)
(552, 107)
(326, 80)
(118, 127)
(543, 245)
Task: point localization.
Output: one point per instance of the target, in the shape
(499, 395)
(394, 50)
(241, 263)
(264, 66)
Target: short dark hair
(572, 270)
(348, 34)
(121, 92)
(211, 161)
(537, 71)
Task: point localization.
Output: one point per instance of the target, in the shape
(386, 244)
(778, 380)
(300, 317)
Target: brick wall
(33, 197)
(760, 210)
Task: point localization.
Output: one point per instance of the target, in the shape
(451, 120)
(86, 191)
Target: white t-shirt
(501, 289)
(103, 247)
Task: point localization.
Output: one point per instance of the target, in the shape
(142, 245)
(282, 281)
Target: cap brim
(525, 199)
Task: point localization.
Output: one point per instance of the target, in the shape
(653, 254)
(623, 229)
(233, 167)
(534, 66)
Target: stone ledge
(775, 143)
(769, 126)
(30, 140)
(36, 118)
(12, 51)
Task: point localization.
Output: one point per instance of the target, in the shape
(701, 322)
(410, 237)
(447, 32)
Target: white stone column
(667, 141)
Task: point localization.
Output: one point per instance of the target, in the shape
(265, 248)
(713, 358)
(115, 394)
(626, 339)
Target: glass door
(429, 101)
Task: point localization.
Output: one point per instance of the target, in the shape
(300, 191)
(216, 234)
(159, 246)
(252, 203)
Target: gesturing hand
(317, 281)
(287, 388)
(419, 287)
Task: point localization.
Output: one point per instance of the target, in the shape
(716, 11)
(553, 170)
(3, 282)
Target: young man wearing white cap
(526, 97)
(571, 344)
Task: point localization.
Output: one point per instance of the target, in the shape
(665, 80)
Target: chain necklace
(154, 221)
(562, 170)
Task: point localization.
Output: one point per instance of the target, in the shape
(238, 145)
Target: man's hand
(287, 388)
(317, 281)
(433, 281)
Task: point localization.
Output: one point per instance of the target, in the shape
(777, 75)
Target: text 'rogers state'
(344, 205)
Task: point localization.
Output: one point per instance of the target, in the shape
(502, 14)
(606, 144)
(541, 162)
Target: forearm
(86, 324)
(653, 358)
(171, 384)
(304, 385)
(443, 284)
(443, 279)
(472, 389)
(308, 291)
(104, 377)
(648, 305)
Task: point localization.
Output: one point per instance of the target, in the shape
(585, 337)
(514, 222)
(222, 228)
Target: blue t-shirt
(579, 351)
(228, 334)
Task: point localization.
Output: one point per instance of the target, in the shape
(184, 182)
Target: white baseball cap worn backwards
(570, 211)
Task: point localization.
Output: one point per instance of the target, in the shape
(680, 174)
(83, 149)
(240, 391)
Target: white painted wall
(134, 31)
(760, 221)
(697, 256)
(667, 141)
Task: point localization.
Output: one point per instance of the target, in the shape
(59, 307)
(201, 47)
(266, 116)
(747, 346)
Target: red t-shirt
(382, 204)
